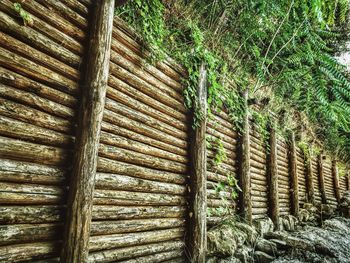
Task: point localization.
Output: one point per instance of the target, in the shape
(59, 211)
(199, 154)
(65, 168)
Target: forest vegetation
(282, 51)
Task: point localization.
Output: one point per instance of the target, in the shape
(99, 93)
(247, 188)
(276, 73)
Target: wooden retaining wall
(40, 71)
(140, 199)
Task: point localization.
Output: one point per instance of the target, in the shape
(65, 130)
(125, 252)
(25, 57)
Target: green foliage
(216, 145)
(27, 19)
(281, 46)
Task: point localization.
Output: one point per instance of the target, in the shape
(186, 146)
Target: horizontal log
(258, 171)
(118, 197)
(113, 255)
(124, 240)
(136, 126)
(134, 81)
(259, 211)
(112, 129)
(145, 97)
(257, 165)
(259, 177)
(36, 72)
(229, 160)
(159, 257)
(103, 212)
(126, 53)
(134, 225)
(28, 252)
(123, 182)
(216, 177)
(55, 26)
(148, 108)
(23, 83)
(65, 12)
(78, 7)
(257, 204)
(23, 233)
(146, 119)
(36, 102)
(258, 159)
(122, 33)
(214, 123)
(39, 57)
(223, 118)
(25, 131)
(25, 151)
(24, 172)
(33, 116)
(141, 159)
(37, 40)
(226, 141)
(12, 193)
(147, 78)
(112, 166)
(31, 214)
(258, 182)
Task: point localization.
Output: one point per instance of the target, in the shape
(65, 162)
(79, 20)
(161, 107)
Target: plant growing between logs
(27, 19)
(281, 46)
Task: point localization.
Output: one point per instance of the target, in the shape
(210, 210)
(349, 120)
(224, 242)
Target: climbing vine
(281, 50)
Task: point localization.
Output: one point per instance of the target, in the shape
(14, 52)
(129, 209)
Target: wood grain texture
(79, 207)
(198, 182)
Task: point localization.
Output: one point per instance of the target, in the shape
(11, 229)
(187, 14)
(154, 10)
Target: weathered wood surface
(245, 173)
(309, 179)
(273, 179)
(335, 176)
(198, 182)
(294, 175)
(321, 179)
(113, 255)
(79, 207)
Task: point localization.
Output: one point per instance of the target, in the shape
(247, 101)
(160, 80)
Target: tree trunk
(198, 184)
(294, 176)
(79, 208)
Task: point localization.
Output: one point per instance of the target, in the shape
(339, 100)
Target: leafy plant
(27, 19)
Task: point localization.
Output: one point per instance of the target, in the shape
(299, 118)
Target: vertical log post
(77, 226)
(348, 182)
(309, 181)
(321, 179)
(273, 178)
(245, 195)
(336, 180)
(294, 175)
(198, 184)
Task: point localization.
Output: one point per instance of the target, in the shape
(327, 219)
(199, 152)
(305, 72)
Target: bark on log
(29, 132)
(112, 166)
(103, 212)
(156, 258)
(31, 214)
(28, 252)
(336, 180)
(134, 225)
(37, 40)
(274, 209)
(321, 179)
(126, 240)
(79, 207)
(23, 172)
(20, 82)
(29, 115)
(25, 151)
(245, 180)
(123, 182)
(309, 180)
(114, 255)
(198, 182)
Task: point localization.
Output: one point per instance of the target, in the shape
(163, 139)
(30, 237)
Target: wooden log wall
(258, 171)
(284, 182)
(301, 172)
(40, 72)
(140, 195)
(220, 201)
(316, 180)
(343, 183)
(329, 182)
